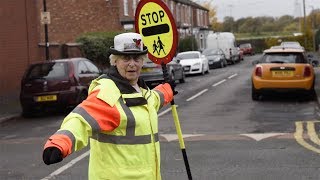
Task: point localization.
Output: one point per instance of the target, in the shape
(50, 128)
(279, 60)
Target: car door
(83, 74)
(176, 68)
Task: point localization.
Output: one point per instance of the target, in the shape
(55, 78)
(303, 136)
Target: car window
(211, 51)
(283, 58)
(188, 55)
(48, 70)
(92, 68)
(82, 68)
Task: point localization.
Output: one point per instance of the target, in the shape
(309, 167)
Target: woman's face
(129, 67)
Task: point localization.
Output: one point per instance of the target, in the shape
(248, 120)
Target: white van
(227, 42)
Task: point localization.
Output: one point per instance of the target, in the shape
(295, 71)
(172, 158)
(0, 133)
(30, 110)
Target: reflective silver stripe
(91, 121)
(156, 137)
(148, 94)
(131, 122)
(107, 138)
(161, 98)
(70, 135)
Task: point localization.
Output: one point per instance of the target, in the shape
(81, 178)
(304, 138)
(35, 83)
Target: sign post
(155, 23)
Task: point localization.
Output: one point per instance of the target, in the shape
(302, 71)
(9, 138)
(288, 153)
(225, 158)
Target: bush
(95, 46)
(185, 44)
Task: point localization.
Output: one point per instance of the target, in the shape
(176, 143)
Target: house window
(125, 7)
(171, 6)
(134, 6)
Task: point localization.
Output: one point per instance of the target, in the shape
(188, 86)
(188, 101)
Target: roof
(276, 49)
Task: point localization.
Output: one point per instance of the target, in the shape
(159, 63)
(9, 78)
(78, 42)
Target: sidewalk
(10, 107)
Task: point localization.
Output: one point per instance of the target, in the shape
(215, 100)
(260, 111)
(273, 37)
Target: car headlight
(197, 64)
(216, 59)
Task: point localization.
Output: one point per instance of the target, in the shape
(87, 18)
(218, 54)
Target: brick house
(22, 37)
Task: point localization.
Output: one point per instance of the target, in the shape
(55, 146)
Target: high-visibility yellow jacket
(122, 126)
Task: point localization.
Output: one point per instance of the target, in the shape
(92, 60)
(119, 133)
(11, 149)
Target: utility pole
(46, 29)
(305, 24)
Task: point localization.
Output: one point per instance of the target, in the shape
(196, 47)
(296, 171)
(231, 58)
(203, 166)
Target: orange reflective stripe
(106, 116)
(166, 91)
(62, 142)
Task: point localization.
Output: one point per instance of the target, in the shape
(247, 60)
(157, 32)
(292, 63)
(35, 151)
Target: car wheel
(27, 112)
(254, 93)
(202, 70)
(221, 64)
(182, 80)
(83, 95)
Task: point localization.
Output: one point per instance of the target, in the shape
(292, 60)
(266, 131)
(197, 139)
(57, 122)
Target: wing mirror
(254, 62)
(315, 63)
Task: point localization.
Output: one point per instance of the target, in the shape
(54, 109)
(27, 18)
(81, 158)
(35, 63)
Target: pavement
(11, 109)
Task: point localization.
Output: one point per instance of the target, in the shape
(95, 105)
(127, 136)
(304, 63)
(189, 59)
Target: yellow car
(283, 69)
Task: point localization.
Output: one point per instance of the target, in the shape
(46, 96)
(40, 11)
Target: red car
(247, 49)
(56, 84)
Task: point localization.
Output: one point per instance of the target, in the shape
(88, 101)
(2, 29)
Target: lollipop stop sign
(154, 21)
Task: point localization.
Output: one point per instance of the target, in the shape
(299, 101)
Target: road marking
(220, 82)
(68, 165)
(198, 94)
(173, 137)
(312, 132)
(261, 136)
(165, 111)
(232, 76)
(298, 135)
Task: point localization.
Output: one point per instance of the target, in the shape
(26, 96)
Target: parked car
(291, 44)
(216, 58)
(59, 83)
(246, 48)
(283, 70)
(152, 73)
(227, 42)
(193, 62)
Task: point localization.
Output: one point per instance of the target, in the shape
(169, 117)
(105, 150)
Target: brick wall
(70, 18)
(18, 43)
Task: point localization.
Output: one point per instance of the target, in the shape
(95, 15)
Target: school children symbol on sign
(154, 21)
(158, 46)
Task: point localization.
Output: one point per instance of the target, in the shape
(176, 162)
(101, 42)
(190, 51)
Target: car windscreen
(48, 70)
(245, 46)
(210, 51)
(188, 56)
(283, 58)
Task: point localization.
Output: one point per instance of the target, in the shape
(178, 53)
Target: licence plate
(186, 68)
(146, 69)
(282, 73)
(46, 98)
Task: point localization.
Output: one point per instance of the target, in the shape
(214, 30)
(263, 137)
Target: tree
(213, 20)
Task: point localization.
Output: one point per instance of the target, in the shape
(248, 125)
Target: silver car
(152, 73)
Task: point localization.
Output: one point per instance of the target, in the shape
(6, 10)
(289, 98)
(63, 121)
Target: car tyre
(182, 80)
(202, 70)
(254, 93)
(27, 112)
(221, 64)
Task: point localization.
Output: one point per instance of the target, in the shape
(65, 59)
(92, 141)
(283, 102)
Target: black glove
(51, 155)
(173, 86)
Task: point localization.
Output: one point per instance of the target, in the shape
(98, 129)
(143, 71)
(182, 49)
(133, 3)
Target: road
(227, 135)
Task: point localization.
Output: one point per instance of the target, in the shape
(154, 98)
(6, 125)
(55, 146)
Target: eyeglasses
(127, 58)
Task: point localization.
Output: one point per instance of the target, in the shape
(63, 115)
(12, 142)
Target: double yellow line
(311, 133)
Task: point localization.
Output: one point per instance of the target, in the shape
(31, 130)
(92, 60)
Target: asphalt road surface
(226, 134)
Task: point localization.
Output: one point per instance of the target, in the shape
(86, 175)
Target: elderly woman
(119, 117)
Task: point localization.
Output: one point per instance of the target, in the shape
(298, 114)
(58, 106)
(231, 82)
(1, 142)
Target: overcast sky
(275, 8)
